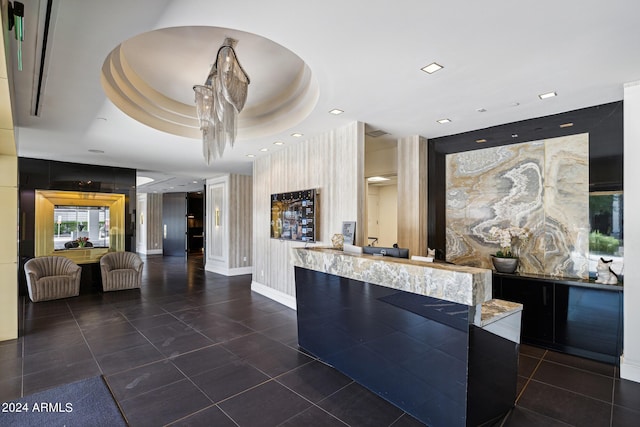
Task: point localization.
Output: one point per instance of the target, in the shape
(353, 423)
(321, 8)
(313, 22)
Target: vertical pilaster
(630, 361)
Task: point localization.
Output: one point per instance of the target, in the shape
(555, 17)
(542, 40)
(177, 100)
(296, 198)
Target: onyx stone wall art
(542, 186)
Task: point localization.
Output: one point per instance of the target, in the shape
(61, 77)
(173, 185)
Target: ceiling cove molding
(286, 105)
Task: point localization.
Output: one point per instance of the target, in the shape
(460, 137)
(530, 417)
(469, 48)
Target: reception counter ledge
(427, 337)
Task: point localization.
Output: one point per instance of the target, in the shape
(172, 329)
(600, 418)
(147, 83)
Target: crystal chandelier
(219, 101)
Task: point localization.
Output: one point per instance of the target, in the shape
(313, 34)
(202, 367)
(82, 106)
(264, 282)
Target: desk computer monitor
(392, 252)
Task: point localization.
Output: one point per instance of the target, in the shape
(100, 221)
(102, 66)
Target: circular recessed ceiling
(150, 77)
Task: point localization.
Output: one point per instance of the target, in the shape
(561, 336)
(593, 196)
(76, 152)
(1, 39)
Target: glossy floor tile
(193, 348)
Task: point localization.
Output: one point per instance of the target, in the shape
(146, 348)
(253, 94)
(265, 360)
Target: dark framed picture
(294, 215)
(349, 232)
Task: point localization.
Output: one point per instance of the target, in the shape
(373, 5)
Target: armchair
(52, 277)
(121, 270)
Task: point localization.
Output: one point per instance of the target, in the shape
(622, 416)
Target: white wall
(630, 361)
(332, 162)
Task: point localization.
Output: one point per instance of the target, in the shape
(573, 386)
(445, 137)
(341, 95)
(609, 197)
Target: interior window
(606, 238)
(74, 226)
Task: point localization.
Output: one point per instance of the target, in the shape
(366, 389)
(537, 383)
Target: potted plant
(505, 260)
(82, 241)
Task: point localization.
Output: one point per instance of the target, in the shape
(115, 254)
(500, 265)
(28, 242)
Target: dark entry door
(174, 223)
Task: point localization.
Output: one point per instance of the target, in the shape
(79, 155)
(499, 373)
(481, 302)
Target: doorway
(183, 223)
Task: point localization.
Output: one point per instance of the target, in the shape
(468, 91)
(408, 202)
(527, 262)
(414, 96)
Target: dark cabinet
(537, 313)
(588, 319)
(572, 317)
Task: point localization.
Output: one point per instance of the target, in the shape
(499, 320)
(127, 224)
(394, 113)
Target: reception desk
(427, 337)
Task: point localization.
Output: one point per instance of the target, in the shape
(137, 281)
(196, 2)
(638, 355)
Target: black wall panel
(38, 174)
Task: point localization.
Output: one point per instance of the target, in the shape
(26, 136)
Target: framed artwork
(294, 215)
(349, 232)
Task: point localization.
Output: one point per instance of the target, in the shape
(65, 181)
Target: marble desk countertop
(496, 309)
(463, 285)
(454, 283)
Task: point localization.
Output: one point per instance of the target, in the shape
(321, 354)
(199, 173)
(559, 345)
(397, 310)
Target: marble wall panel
(542, 186)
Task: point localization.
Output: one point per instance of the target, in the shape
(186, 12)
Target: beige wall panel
(154, 221)
(381, 162)
(8, 301)
(8, 212)
(240, 217)
(333, 163)
(412, 194)
(8, 224)
(7, 143)
(8, 248)
(8, 170)
(388, 216)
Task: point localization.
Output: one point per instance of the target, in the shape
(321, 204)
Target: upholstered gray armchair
(52, 277)
(121, 270)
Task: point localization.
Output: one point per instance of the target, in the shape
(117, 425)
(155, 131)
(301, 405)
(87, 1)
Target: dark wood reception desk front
(426, 337)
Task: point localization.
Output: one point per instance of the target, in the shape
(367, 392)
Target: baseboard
(629, 371)
(239, 271)
(150, 251)
(273, 294)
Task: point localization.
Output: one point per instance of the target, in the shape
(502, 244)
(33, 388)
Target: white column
(630, 360)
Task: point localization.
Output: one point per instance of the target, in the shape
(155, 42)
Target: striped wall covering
(333, 163)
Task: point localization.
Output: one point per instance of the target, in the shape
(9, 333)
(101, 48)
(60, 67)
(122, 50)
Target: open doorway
(195, 223)
(381, 163)
(382, 212)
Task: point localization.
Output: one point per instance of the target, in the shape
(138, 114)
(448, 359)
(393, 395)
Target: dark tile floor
(194, 348)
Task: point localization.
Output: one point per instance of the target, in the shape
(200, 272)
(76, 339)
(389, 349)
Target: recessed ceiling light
(480, 141)
(432, 68)
(194, 182)
(566, 125)
(443, 121)
(93, 150)
(251, 155)
(377, 179)
(514, 135)
(296, 135)
(264, 149)
(278, 143)
(336, 111)
(547, 95)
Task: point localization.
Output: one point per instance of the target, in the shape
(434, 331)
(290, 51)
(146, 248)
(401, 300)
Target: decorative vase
(505, 265)
(337, 240)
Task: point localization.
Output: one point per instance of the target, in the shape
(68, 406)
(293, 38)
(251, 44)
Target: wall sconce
(217, 217)
(141, 218)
